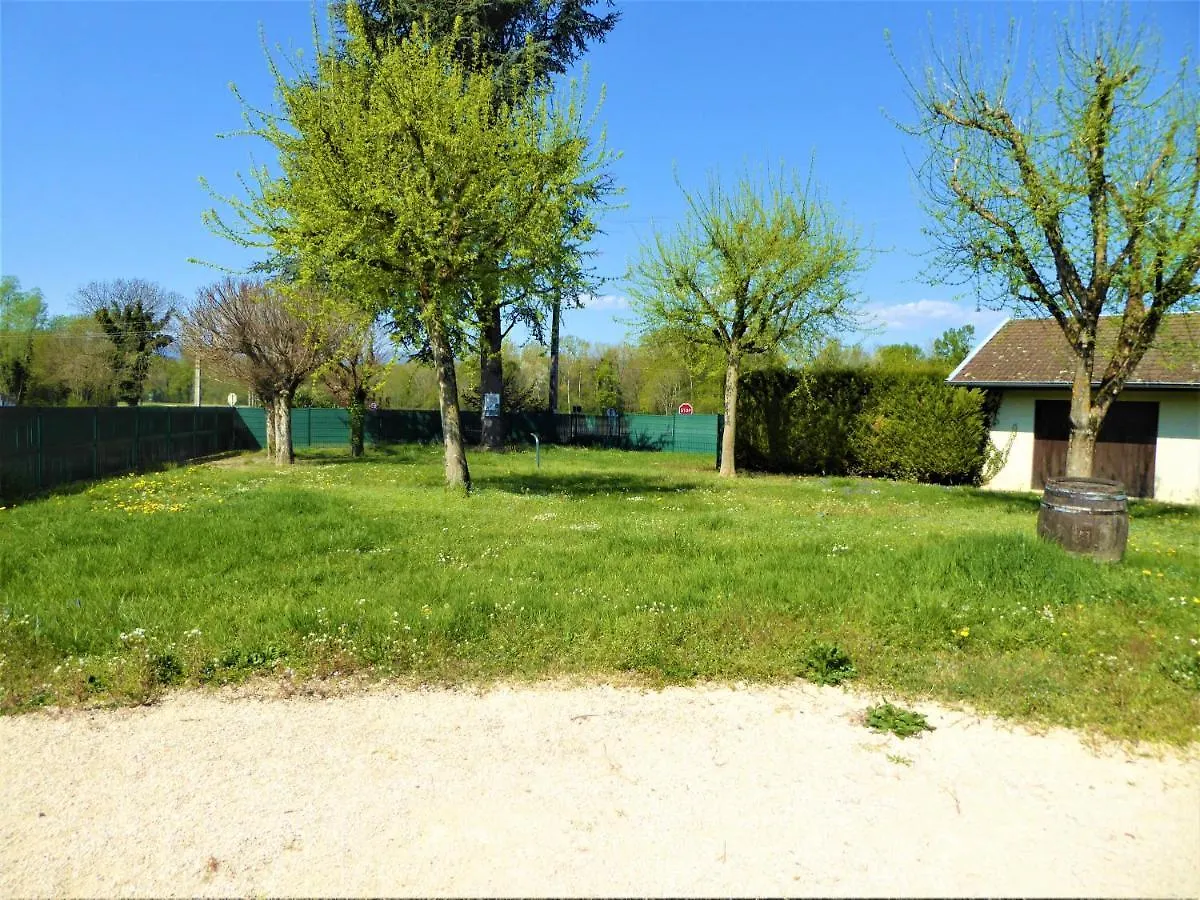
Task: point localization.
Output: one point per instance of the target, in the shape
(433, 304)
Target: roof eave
(1066, 385)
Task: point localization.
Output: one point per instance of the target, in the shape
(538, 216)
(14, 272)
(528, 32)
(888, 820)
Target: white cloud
(904, 315)
(927, 313)
(605, 301)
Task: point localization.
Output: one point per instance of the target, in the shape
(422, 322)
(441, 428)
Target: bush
(798, 422)
(920, 429)
(873, 422)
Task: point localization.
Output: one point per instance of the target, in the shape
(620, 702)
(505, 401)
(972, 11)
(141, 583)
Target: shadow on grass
(1003, 502)
(1031, 504)
(328, 456)
(582, 484)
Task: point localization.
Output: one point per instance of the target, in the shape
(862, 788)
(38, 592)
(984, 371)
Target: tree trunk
(1085, 425)
(358, 413)
(285, 454)
(269, 406)
(555, 328)
(491, 375)
(732, 368)
(457, 474)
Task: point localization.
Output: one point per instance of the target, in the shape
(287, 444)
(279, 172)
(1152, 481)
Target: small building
(1150, 439)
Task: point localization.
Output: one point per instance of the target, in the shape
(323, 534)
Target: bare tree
(136, 316)
(245, 329)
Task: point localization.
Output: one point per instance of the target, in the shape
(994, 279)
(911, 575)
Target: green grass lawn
(600, 563)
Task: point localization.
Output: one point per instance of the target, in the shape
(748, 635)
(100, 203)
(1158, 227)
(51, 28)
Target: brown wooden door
(1124, 450)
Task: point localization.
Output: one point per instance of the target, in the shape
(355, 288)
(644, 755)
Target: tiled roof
(1035, 352)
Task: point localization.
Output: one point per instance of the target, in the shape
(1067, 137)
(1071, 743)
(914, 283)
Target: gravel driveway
(559, 790)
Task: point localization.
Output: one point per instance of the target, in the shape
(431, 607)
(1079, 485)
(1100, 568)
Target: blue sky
(109, 114)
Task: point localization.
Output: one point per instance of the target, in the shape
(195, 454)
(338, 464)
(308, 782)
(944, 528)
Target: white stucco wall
(1177, 451)
(1177, 459)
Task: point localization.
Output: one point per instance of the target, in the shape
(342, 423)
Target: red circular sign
(685, 409)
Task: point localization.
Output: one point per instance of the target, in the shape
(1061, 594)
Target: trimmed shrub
(920, 429)
(799, 422)
(904, 424)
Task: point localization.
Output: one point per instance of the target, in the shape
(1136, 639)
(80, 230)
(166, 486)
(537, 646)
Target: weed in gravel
(900, 722)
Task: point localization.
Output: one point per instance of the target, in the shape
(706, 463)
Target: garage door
(1124, 451)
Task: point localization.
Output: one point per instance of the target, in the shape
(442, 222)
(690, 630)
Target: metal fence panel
(42, 447)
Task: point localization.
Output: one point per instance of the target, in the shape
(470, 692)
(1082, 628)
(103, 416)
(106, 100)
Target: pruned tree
(522, 43)
(136, 316)
(405, 185)
(22, 314)
(1071, 196)
(245, 329)
(356, 369)
(750, 272)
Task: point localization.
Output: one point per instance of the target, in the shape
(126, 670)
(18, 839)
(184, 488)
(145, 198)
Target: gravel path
(557, 790)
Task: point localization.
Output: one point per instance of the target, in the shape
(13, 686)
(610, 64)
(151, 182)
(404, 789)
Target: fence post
(720, 434)
(137, 437)
(309, 444)
(674, 445)
(170, 447)
(95, 442)
(37, 460)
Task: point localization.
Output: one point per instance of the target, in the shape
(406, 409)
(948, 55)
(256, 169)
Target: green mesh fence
(44, 447)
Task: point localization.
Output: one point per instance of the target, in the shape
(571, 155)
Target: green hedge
(905, 425)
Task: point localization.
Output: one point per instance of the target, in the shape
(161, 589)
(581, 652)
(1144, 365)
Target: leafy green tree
(899, 356)
(22, 315)
(521, 43)
(608, 386)
(519, 395)
(73, 364)
(749, 272)
(953, 344)
(135, 315)
(409, 385)
(1070, 195)
(405, 183)
(833, 354)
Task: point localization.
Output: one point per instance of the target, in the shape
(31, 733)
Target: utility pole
(196, 385)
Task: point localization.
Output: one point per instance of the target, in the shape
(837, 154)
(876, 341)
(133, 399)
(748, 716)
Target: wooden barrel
(1086, 516)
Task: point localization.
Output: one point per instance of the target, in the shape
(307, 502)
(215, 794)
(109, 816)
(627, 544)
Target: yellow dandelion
(964, 632)
(1147, 572)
